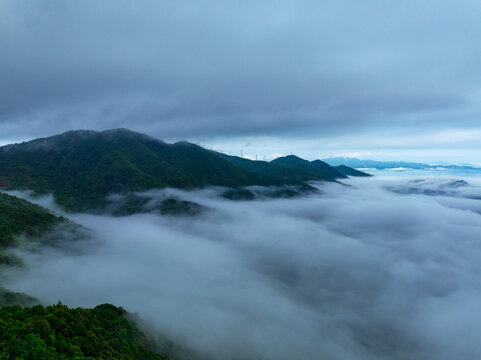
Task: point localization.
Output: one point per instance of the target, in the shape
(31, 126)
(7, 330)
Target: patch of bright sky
(457, 146)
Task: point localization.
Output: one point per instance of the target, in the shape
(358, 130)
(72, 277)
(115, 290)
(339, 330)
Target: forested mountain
(294, 166)
(374, 164)
(348, 171)
(288, 169)
(19, 216)
(80, 168)
(328, 170)
(59, 333)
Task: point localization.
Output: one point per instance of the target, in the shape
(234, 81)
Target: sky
(386, 80)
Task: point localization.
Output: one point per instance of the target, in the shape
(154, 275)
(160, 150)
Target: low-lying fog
(388, 268)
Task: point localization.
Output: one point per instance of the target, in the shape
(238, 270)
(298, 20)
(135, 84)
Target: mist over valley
(240, 180)
(364, 271)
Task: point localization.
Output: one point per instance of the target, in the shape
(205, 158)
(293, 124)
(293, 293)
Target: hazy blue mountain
(381, 165)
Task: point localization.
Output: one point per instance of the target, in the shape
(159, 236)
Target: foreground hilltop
(82, 167)
(57, 332)
(18, 216)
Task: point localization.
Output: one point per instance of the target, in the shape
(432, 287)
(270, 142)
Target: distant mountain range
(382, 165)
(80, 168)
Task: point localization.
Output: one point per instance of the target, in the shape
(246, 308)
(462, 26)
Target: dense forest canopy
(80, 168)
(59, 333)
(20, 216)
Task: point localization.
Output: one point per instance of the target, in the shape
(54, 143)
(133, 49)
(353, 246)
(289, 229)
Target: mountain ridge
(81, 167)
(348, 171)
(288, 169)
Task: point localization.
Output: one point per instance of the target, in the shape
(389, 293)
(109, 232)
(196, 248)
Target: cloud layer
(361, 272)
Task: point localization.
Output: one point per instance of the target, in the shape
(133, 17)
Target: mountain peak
(289, 159)
(71, 137)
(82, 167)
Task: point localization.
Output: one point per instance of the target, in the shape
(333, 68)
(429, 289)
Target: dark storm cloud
(358, 272)
(193, 69)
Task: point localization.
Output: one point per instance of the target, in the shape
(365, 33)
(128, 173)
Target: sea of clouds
(377, 268)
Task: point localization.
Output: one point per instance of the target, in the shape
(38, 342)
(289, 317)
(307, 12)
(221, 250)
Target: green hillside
(19, 216)
(346, 170)
(60, 333)
(328, 170)
(288, 170)
(304, 170)
(81, 167)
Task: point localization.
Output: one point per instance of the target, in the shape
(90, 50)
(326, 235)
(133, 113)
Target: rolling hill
(288, 169)
(294, 166)
(58, 332)
(18, 216)
(348, 171)
(80, 168)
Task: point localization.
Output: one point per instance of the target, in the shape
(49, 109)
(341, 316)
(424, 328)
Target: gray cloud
(202, 70)
(358, 272)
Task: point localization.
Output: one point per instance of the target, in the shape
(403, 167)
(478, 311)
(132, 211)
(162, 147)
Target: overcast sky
(373, 79)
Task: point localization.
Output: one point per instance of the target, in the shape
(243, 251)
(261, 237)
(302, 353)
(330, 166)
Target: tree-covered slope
(81, 167)
(56, 332)
(288, 170)
(294, 166)
(346, 170)
(8, 297)
(328, 170)
(263, 169)
(19, 216)
(60, 333)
